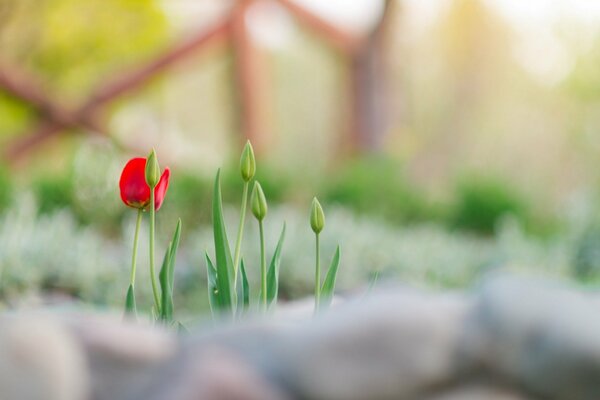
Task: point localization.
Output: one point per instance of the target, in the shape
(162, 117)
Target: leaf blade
(273, 272)
(222, 251)
(166, 298)
(328, 287)
(213, 298)
(130, 307)
(245, 286)
(173, 254)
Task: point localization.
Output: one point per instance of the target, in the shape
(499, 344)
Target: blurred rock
(514, 339)
(538, 336)
(39, 359)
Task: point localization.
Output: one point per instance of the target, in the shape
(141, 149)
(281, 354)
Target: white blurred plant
(41, 254)
(420, 255)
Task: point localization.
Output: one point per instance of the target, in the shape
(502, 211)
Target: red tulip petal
(135, 192)
(161, 188)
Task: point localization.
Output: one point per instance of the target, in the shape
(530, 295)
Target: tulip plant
(143, 187)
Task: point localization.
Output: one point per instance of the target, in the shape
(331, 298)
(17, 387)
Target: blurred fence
(361, 50)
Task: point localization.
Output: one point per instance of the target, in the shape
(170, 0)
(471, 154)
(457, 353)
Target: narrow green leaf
(173, 253)
(245, 286)
(222, 250)
(213, 297)
(130, 308)
(373, 282)
(166, 296)
(329, 284)
(273, 272)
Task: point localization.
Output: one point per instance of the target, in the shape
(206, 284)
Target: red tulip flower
(135, 192)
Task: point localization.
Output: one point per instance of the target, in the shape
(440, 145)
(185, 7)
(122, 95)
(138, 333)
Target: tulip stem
(135, 246)
(152, 273)
(263, 266)
(317, 274)
(240, 233)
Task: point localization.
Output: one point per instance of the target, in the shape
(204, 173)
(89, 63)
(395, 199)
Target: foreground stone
(513, 339)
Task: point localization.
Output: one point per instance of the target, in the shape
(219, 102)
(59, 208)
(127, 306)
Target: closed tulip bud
(247, 163)
(152, 170)
(317, 216)
(259, 202)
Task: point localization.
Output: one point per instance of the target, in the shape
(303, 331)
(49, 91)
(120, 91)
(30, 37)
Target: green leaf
(222, 251)
(130, 308)
(373, 282)
(245, 286)
(329, 284)
(166, 296)
(167, 276)
(273, 272)
(173, 253)
(213, 297)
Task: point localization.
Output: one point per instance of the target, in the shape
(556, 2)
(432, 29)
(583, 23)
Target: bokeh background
(446, 139)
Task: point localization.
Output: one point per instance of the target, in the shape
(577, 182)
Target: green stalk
(263, 266)
(152, 273)
(317, 274)
(135, 247)
(238, 242)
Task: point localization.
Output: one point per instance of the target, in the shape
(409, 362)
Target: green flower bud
(152, 170)
(259, 202)
(247, 163)
(317, 216)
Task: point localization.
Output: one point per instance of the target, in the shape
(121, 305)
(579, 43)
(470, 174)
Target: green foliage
(130, 307)
(224, 267)
(377, 186)
(586, 261)
(167, 276)
(53, 192)
(273, 181)
(14, 115)
(244, 289)
(328, 287)
(6, 189)
(481, 202)
(214, 298)
(55, 40)
(189, 197)
(273, 272)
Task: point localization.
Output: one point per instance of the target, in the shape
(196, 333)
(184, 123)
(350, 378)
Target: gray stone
(540, 336)
(39, 359)
(513, 339)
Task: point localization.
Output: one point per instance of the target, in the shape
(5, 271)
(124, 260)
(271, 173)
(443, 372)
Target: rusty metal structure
(360, 51)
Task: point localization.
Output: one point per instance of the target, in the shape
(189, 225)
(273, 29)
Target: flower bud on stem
(152, 178)
(247, 170)
(317, 223)
(259, 210)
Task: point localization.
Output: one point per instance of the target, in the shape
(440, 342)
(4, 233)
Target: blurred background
(445, 139)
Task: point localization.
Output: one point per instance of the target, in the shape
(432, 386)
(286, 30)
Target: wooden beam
(249, 78)
(106, 92)
(347, 42)
(25, 87)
